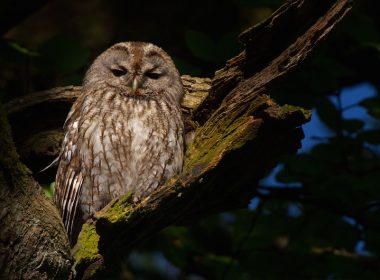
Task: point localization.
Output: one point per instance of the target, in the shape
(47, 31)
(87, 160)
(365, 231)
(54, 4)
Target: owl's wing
(69, 178)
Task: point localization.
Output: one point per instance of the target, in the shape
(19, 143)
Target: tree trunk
(33, 244)
(240, 133)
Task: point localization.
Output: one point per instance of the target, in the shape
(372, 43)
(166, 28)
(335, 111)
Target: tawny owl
(124, 133)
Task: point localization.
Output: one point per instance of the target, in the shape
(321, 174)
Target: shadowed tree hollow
(240, 133)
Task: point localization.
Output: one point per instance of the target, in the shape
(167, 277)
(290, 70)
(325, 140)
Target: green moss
(86, 250)
(290, 109)
(116, 210)
(246, 132)
(230, 129)
(224, 132)
(215, 145)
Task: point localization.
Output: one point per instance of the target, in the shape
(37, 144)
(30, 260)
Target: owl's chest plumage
(136, 147)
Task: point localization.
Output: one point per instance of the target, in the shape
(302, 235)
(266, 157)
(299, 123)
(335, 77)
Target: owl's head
(136, 69)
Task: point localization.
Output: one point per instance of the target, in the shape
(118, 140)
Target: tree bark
(33, 243)
(240, 133)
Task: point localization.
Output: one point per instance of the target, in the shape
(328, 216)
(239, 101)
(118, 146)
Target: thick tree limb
(235, 129)
(33, 244)
(240, 133)
(273, 48)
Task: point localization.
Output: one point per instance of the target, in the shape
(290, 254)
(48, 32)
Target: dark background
(317, 215)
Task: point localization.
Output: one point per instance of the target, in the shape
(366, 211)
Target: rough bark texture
(240, 132)
(33, 244)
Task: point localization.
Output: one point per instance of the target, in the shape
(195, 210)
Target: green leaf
(228, 46)
(352, 125)
(176, 242)
(64, 55)
(373, 45)
(370, 136)
(329, 114)
(186, 67)
(201, 46)
(372, 105)
(361, 27)
(373, 240)
(48, 189)
(22, 50)
(205, 48)
(308, 168)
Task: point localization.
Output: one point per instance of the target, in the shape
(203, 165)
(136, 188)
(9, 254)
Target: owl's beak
(135, 85)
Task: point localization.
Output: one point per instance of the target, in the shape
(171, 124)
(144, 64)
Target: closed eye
(118, 72)
(153, 75)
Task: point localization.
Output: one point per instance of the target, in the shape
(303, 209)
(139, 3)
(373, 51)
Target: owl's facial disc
(136, 70)
(135, 79)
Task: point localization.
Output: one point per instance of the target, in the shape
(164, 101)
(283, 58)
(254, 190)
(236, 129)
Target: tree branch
(241, 130)
(240, 134)
(33, 243)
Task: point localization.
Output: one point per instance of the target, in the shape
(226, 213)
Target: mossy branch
(240, 133)
(247, 122)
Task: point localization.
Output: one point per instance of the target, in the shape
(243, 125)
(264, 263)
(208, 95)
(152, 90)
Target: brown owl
(124, 133)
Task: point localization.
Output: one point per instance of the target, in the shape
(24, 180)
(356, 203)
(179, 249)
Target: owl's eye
(118, 72)
(153, 75)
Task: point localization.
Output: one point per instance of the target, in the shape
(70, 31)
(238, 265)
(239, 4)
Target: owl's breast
(136, 149)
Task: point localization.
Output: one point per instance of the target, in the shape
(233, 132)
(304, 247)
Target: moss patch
(225, 131)
(86, 249)
(232, 127)
(117, 209)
